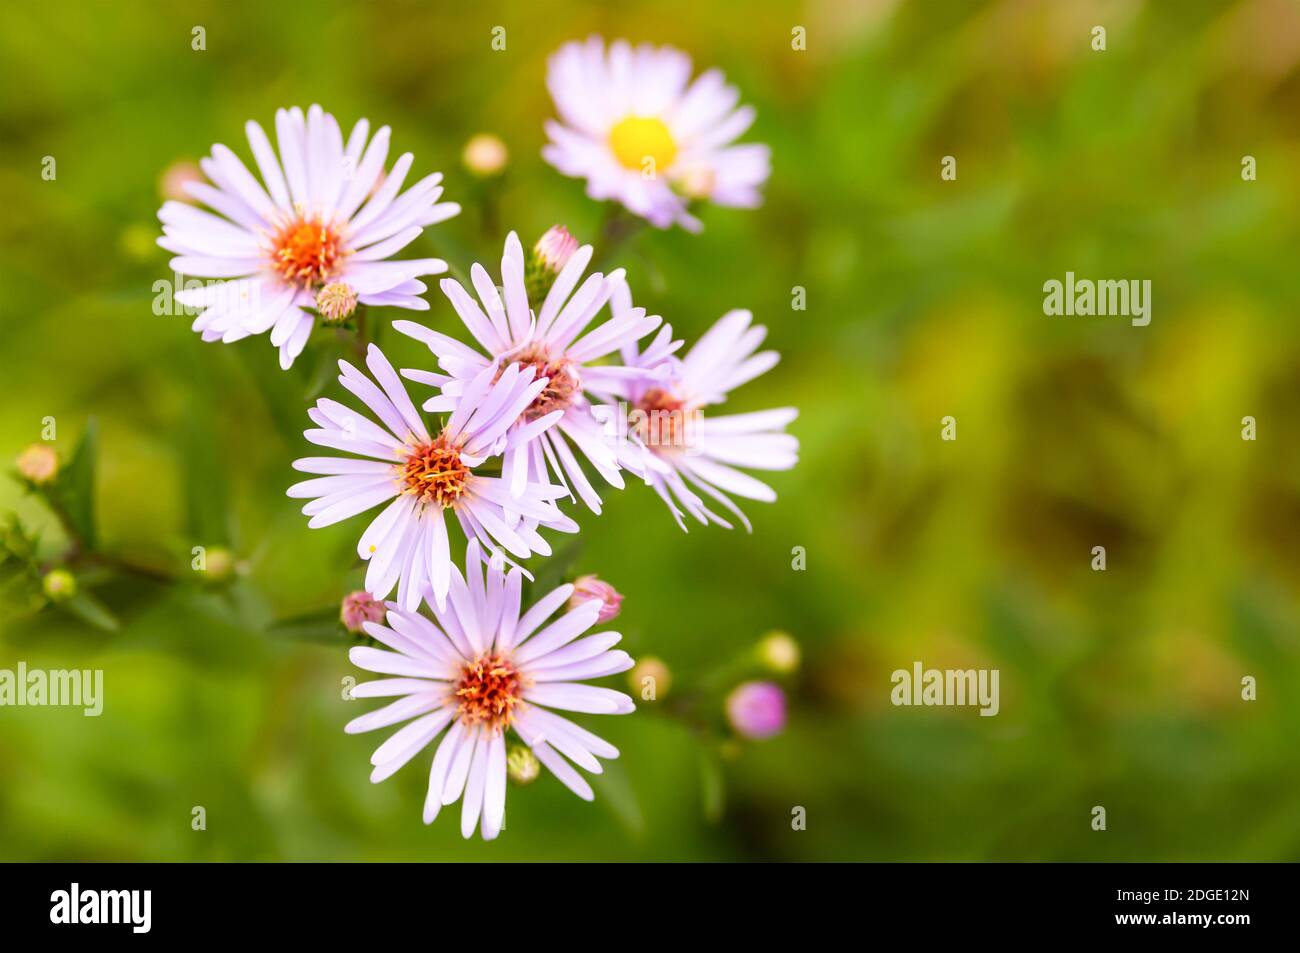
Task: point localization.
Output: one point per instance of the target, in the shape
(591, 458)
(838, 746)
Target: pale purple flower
(319, 215)
(556, 343)
(756, 709)
(422, 474)
(639, 134)
(586, 588)
(688, 451)
(484, 669)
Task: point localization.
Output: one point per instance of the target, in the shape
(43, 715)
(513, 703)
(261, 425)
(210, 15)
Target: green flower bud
(59, 585)
(522, 766)
(779, 653)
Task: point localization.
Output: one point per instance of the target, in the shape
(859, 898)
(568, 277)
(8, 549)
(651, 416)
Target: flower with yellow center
(640, 131)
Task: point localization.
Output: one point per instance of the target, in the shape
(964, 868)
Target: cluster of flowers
(562, 370)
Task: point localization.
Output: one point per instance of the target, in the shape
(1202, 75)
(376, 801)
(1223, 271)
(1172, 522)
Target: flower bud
(59, 585)
(360, 607)
(39, 463)
(586, 588)
(336, 302)
(549, 256)
(650, 679)
(485, 155)
(522, 766)
(218, 564)
(554, 249)
(756, 709)
(174, 178)
(778, 653)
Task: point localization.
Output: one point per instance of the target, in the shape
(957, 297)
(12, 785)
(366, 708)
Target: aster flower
(421, 474)
(555, 345)
(302, 227)
(485, 669)
(632, 127)
(690, 450)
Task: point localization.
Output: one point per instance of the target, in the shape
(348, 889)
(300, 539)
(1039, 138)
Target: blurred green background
(1118, 688)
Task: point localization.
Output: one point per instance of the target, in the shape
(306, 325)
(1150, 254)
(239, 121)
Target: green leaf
(73, 493)
(617, 795)
(90, 610)
(553, 571)
(205, 477)
(321, 366)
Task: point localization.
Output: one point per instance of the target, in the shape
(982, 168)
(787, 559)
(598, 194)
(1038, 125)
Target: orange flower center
(661, 420)
(562, 384)
(434, 473)
(307, 252)
(489, 689)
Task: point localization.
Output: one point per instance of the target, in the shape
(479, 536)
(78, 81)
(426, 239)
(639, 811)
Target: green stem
(123, 565)
(616, 227)
(77, 552)
(362, 339)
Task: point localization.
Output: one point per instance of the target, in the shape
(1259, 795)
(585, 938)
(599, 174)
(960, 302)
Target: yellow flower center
(638, 138)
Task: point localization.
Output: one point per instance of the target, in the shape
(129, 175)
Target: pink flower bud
(360, 607)
(586, 588)
(174, 179)
(39, 463)
(756, 709)
(555, 248)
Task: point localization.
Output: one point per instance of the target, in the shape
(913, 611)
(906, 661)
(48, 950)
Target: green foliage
(72, 495)
(1120, 687)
